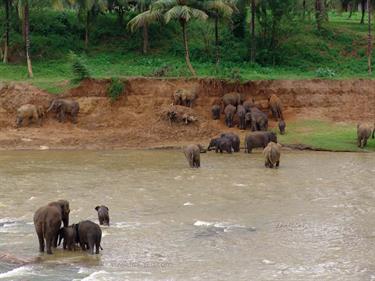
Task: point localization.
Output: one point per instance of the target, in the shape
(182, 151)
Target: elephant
(63, 107)
(259, 139)
(275, 105)
(248, 104)
(89, 235)
(30, 113)
(192, 154)
(215, 110)
(248, 120)
(231, 98)
(221, 144)
(364, 132)
(259, 120)
(229, 111)
(69, 235)
(272, 155)
(234, 139)
(241, 112)
(185, 97)
(103, 214)
(47, 222)
(282, 126)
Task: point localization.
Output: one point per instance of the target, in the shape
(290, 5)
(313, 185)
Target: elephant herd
(47, 222)
(230, 142)
(36, 113)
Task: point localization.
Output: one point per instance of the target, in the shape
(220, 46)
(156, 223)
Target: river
(233, 219)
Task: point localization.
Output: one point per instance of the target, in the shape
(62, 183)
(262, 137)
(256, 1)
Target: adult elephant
(89, 235)
(275, 105)
(47, 222)
(234, 139)
(231, 99)
(259, 139)
(229, 112)
(192, 154)
(63, 107)
(364, 132)
(259, 120)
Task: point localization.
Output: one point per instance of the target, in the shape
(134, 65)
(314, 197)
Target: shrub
(325, 72)
(79, 68)
(115, 89)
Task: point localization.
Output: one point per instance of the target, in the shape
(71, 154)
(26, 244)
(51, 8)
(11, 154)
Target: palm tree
(182, 11)
(143, 20)
(7, 4)
(369, 36)
(252, 28)
(219, 9)
(24, 14)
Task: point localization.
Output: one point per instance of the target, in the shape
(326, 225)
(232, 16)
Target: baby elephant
(272, 155)
(89, 235)
(363, 134)
(192, 154)
(282, 126)
(63, 107)
(69, 235)
(215, 111)
(103, 214)
(30, 113)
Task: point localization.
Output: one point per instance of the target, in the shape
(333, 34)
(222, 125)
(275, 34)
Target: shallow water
(230, 220)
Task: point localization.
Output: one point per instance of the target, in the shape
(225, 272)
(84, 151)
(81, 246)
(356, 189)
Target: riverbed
(232, 219)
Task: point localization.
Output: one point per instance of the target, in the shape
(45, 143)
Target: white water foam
(222, 225)
(188, 204)
(18, 272)
(98, 275)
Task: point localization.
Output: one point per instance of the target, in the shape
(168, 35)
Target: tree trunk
(217, 40)
(26, 19)
(319, 13)
(350, 10)
(363, 7)
(369, 37)
(145, 38)
(187, 53)
(6, 45)
(87, 30)
(252, 28)
(304, 10)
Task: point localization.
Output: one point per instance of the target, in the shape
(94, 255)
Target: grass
(324, 135)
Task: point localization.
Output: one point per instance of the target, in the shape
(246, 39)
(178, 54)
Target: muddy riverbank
(136, 121)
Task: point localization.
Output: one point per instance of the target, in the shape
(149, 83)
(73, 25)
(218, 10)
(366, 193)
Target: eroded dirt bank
(135, 120)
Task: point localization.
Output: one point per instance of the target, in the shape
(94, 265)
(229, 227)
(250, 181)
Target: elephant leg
(271, 165)
(364, 143)
(49, 241)
(191, 162)
(41, 242)
(97, 247)
(277, 163)
(19, 122)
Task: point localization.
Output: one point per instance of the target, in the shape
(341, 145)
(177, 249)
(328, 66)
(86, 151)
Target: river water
(233, 219)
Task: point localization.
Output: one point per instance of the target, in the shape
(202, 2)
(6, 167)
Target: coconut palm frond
(143, 19)
(164, 4)
(198, 14)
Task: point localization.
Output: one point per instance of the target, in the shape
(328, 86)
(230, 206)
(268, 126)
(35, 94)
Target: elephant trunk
(51, 106)
(61, 235)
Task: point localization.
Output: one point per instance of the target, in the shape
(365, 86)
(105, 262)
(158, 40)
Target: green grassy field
(324, 135)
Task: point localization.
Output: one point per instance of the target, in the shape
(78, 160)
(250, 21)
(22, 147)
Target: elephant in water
(69, 235)
(63, 107)
(192, 154)
(47, 222)
(364, 132)
(103, 214)
(259, 139)
(89, 235)
(272, 155)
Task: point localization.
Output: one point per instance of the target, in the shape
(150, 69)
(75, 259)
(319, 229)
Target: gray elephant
(276, 107)
(69, 235)
(31, 113)
(215, 111)
(282, 126)
(364, 132)
(234, 139)
(103, 214)
(231, 98)
(272, 155)
(185, 97)
(248, 104)
(241, 112)
(221, 144)
(63, 107)
(229, 111)
(259, 120)
(192, 154)
(248, 120)
(47, 222)
(259, 139)
(89, 235)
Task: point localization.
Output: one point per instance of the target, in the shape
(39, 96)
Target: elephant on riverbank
(63, 107)
(192, 154)
(282, 126)
(215, 111)
(229, 111)
(234, 139)
(47, 222)
(231, 99)
(69, 235)
(248, 104)
(272, 155)
(364, 132)
(89, 236)
(31, 113)
(259, 139)
(275, 105)
(241, 112)
(185, 97)
(103, 214)
(259, 120)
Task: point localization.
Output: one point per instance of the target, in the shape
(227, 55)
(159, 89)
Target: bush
(325, 72)
(79, 68)
(115, 89)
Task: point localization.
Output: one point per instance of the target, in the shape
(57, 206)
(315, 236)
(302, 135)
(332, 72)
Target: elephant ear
(106, 208)
(97, 208)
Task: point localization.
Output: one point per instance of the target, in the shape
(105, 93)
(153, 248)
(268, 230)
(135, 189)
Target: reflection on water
(230, 220)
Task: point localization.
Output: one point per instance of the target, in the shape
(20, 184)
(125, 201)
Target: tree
(363, 8)
(369, 47)
(252, 30)
(219, 9)
(319, 13)
(7, 5)
(24, 13)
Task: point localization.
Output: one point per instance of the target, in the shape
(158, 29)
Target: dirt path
(135, 120)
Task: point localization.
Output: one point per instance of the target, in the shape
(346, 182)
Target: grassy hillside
(339, 51)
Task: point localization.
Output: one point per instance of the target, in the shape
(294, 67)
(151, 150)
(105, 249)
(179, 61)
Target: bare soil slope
(136, 121)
